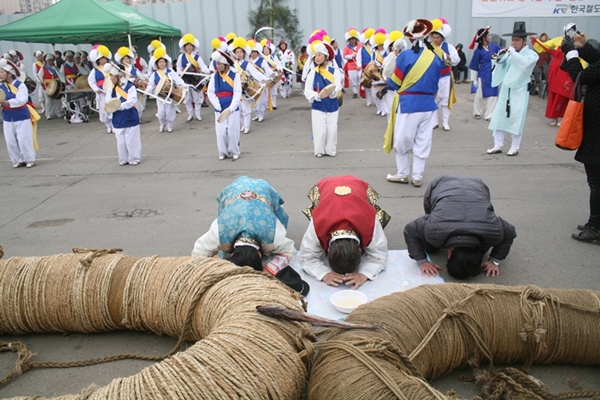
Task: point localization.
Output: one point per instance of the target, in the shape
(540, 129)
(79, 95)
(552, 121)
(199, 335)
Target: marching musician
(126, 121)
(69, 71)
(377, 56)
(46, 75)
(189, 63)
(287, 58)
(447, 53)
(17, 125)
(268, 54)
(36, 67)
(84, 66)
(324, 110)
(125, 56)
(161, 65)
(100, 55)
(139, 62)
(364, 57)
(16, 57)
(481, 73)
(240, 49)
(263, 67)
(350, 54)
(410, 126)
(225, 93)
(389, 65)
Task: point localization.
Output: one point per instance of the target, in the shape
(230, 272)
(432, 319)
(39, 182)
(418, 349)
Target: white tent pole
(129, 39)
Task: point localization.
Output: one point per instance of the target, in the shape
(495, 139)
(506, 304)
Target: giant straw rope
(425, 332)
(238, 354)
(431, 330)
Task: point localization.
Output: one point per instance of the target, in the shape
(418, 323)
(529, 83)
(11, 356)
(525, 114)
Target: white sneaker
(178, 111)
(246, 130)
(108, 130)
(512, 152)
(436, 126)
(383, 114)
(377, 113)
(235, 157)
(48, 117)
(199, 118)
(255, 118)
(19, 164)
(369, 104)
(446, 127)
(189, 118)
(134, 163)
(169, 130)
(161, 128)
(261, 119)
(494, 150)
(553, 122)
(222, 157)
(397, 178)
(30, 164)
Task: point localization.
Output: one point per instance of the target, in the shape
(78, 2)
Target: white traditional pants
(52, 106)
(274, 91)
(499, 140)
(414, 132)
(387, 101)
(228, 134)
(41, 98)
(19, 140)
(166, 114)
(196, 97)
(354, 78)
(442, 98)
(324, 127)
(261, 104)
(246, 110)
(129, 144)
(103, 115)
(478, 103)
(140, 105)
(378, 103)
(368, 96)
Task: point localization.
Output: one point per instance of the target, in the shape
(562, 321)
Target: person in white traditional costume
(49, 72)
(225, 92)
(100, 56)
(125, 56)
(189, 64)
(263, 66)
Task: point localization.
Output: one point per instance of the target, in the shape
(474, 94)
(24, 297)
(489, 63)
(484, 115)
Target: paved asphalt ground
(78, 196)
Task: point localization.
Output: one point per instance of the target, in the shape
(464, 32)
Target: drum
(54, 88)
(107, 86)
(327, 90)
(82, 82)
(372, 72)
(112, 105)
(31, 86)
(141, 84)
(2, 95)
(179, 94)
(276, 79)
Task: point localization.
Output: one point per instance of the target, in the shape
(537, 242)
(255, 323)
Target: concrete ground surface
(78, 196)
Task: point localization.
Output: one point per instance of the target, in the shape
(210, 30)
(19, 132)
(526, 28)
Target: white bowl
(346, 301)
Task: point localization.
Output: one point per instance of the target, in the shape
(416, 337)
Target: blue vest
(338, 58)
(13, 114)
(100, 77)
(365, 57)
(124, 118)
(326, 104)
(222, 89)
(244, 65)
(157, 76)
(249, 208)
(185, 62)
(421, 96)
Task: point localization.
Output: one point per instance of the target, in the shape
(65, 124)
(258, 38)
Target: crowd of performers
(406, 75)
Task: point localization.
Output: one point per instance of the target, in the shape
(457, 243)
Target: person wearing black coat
(461, 66)
(589, 151)
(460, 217)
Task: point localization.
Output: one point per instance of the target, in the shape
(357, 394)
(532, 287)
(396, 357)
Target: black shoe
(587, 235)
(582, 227)
(204, 105)
(354, 96)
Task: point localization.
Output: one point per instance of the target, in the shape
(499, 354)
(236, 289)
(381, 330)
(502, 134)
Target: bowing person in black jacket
(459, 216)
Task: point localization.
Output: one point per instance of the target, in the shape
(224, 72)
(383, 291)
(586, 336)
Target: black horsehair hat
(519, 30)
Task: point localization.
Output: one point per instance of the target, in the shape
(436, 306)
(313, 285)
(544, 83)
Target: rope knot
(453, 311)
(535, 293)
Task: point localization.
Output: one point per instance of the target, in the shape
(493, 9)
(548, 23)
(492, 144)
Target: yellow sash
(325, 73)
(413, 76)
(39, 64)
(262, 71)
(379, 57)
(106, 74)
(121, 92)
(33, 116)
(271, 62)
(226, 78)
(191, 60)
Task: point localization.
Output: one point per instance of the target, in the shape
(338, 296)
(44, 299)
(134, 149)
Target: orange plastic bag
(570, 133)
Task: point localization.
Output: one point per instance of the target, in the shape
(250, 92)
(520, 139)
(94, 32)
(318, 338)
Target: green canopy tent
(86, 21)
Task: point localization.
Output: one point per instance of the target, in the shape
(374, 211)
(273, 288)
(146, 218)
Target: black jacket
(458, 212)
(589, 151)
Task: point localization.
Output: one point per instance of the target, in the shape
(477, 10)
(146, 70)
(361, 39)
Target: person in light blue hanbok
(250, 229)
(512, 69)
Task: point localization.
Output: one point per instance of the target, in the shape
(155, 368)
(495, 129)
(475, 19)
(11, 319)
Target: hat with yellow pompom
(188, 38)
(124, 52)
(352, 33)
(155, 44)
(100, 51)
(158, 54)
(240, 43)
